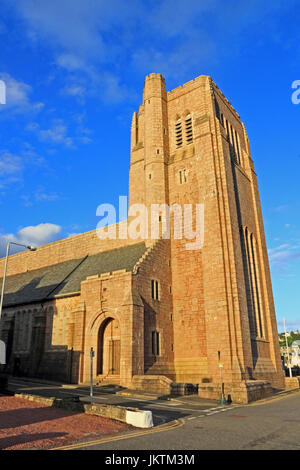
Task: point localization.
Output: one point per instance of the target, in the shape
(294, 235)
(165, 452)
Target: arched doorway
(109, 348)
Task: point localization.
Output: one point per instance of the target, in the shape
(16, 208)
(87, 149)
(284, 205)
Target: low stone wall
(240, 392)
(133, 416)
(184, 389)
(152, 383)
(292, 382)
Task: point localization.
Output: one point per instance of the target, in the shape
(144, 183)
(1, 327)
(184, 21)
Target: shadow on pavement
(7, 442)
(25, 416)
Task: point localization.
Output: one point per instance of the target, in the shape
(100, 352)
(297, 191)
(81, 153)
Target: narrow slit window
(231, 136)
(182, 176)
(227, 129)
(237, 147)
(154, 290)
(155, 343)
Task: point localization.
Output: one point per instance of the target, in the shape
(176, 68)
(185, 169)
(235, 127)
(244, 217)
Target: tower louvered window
(188, 129)
(178, 133)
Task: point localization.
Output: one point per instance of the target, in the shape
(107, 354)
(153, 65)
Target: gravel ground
(29, 425)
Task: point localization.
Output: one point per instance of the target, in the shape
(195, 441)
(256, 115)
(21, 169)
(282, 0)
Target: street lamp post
(31, 248)
(287, 349)
(91, 386)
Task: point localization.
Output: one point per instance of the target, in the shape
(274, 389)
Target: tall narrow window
(154, 290)
(182, 176)
(188, 129)
(178, 133)
(227, 130)
(254, 283)
(238, 147)
(155, 343)
(250, 290)
(257, 286)
(231, 137)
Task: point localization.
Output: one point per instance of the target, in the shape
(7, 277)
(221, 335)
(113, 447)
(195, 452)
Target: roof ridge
(68, 275)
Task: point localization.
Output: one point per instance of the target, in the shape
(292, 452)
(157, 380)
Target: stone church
(156, 314)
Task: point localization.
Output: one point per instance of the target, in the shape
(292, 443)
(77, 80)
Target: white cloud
(110, 88)
(75, 90)
(18, 95)
(281, 256)
(72, 234)
(281, 208)
(56, 134)
(96, 38)
(10, 164)
(75, 28)
(11, 169)
(85, 140)
(13, 166)
(291, 325)
(39, 196)
(34, 235)
(70, 62)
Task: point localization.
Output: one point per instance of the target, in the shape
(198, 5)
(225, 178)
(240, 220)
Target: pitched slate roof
(63, 278)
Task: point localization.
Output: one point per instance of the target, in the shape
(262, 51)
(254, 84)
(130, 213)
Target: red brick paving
(29, 425)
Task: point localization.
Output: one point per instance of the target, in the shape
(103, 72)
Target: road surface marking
(175, 424)
(83, 395)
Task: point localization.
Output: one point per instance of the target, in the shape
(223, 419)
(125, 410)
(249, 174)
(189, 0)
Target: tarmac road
(192, 423)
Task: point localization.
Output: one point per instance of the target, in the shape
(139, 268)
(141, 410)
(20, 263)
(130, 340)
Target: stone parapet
(152, 383)
(292, 382)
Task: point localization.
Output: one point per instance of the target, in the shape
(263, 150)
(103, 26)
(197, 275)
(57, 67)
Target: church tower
(189, 147)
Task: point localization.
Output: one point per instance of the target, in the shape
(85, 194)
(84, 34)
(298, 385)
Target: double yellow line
(176, 424)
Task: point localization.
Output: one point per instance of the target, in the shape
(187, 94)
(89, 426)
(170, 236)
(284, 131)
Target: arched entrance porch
(109, 348)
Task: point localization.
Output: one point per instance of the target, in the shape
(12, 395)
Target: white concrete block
(139, 418)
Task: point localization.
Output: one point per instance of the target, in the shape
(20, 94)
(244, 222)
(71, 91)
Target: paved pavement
(191, 423)
(164, 410)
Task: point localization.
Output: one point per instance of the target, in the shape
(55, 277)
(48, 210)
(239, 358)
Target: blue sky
(75, 71)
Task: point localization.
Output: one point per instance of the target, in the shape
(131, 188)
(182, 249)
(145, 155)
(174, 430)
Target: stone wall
(67, 249)
(242, 392)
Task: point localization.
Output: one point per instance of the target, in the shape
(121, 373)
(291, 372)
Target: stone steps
(107, 380)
